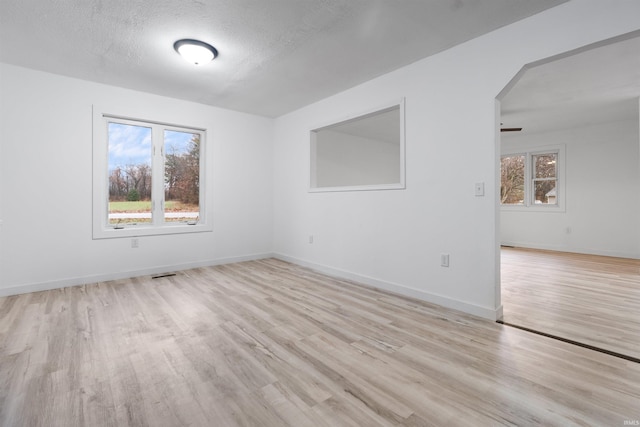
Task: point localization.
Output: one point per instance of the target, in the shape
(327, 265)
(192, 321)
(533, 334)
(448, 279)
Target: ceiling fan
(509, 129)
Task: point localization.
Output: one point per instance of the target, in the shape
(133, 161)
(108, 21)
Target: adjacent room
(570, 230)
(290, 213)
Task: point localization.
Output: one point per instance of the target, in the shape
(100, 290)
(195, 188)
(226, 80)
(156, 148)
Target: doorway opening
(570, 196)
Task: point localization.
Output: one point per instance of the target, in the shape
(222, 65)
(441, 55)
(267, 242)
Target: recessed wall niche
(365, 152)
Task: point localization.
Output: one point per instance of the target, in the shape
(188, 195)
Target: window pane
(512, 180)
(129, 171)
(181, 176)
(545, 192)
(544, 165)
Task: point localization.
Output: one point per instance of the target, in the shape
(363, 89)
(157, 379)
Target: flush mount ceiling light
(195, 51)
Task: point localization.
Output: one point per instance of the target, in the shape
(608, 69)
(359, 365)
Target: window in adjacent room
(543, 184)
(531, 179)
(512, 179)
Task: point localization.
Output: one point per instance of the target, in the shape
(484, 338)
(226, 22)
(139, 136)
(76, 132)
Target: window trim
(100, 143)
(528, 205)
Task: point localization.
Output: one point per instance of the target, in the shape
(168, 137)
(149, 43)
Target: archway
(578, 110)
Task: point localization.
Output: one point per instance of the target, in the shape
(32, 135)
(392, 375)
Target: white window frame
(101, 227)
(529, 205)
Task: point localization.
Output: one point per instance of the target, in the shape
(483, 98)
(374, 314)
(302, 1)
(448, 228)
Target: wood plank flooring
(267, 343)
(586, 298)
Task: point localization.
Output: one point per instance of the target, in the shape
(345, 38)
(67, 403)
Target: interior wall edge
(86, 280)
(398, 289)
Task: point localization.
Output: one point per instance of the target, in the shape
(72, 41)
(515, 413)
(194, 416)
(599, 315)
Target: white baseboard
(484, 312)
(76, 281)
(586, 251)
(476, 310)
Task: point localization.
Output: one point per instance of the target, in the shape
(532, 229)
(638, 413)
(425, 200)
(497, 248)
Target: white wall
(349, 160)
(46, 190)
(390, 239)
(602, 210)
(393, 239)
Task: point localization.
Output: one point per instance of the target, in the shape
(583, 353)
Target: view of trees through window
(513, 185)
(181, 175)
(512, 180)
(544, 179)
(131, 175)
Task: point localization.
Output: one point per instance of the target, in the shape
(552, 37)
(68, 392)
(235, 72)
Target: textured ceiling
(594, 85)
(275, 55)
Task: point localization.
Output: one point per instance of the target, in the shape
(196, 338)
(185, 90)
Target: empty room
(570, 264)
(289, 213)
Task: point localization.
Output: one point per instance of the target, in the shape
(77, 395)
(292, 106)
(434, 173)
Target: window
(512, 179)
(544, 178)
(148, 178)
(531, 179)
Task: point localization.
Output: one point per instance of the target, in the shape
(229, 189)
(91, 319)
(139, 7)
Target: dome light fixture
(195, 51)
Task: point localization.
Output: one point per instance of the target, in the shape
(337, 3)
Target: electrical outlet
(135, 243)
(444, 260)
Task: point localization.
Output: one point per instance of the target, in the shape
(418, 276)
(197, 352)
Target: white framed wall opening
(363, 152)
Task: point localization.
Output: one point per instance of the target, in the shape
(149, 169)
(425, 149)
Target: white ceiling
(275, 55)
(596, 84)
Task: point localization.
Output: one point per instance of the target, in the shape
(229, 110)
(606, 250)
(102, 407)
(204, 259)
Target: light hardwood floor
(267, 343)
(591, 299)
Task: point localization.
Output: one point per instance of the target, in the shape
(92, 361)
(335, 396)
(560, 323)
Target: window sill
(533, 208)
(375, 187)
(142, 230)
